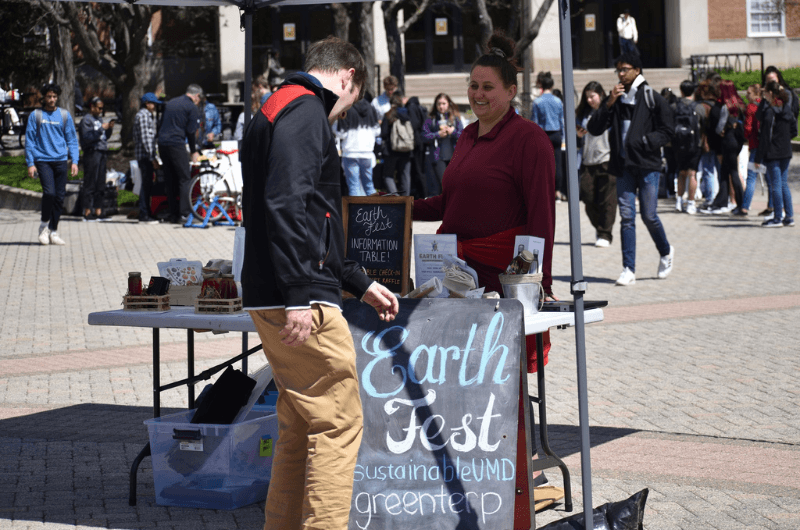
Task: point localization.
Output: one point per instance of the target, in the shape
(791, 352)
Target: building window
(765, 18)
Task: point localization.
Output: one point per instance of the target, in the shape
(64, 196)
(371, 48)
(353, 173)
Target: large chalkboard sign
(440, 389)
(377, 234)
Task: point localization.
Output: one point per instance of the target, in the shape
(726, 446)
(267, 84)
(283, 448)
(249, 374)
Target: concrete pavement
(693, 380)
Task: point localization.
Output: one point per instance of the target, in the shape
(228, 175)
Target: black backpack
(686, 135)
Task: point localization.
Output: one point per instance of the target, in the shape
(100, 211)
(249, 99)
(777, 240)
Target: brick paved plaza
(694, 381)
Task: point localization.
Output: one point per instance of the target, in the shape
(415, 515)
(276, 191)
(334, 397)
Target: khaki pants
(320, 422)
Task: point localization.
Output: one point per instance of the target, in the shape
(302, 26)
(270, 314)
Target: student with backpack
(727, 146)
(640, 123)
(687, 143)
(397, 134)
(50, 139)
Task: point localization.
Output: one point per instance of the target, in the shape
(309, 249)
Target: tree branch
(48, 7)
(532, 30)
(417, 13)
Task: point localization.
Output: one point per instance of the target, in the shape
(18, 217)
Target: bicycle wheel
(204, 188)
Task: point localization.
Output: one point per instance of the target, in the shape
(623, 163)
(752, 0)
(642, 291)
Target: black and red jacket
(292, 201)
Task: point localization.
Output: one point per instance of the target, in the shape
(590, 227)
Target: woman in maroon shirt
(500, 182)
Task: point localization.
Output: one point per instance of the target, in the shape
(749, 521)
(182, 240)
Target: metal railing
(736, 62)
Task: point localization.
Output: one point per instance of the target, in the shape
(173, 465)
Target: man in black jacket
(178, 127)
(641, 124)
(292, 276)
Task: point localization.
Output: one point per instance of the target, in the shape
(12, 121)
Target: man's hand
(32, 172)
(74, 170)
(195, 157)
(107, 125)
(298, 327)
(384, 302)
(210, 137)
(616, 92)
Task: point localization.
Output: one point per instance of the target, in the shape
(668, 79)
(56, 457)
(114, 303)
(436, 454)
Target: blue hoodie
(48, 142)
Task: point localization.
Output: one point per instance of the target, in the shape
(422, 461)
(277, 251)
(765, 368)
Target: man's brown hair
(333, 54)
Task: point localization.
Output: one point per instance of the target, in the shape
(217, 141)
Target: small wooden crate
(218, 305)
(145, 303)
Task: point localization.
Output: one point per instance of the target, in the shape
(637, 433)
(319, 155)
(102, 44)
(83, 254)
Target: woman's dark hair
(557, 93)
(770, 69)
(668, 95)
(500, 56)
(584, 109)
(51, 87)
(452, 108)
(545, 80)
(396, 101)
(777, 90)
(707, 91)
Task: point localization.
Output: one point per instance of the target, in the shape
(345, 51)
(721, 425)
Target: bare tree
(532, 31)
(61, 53)
(341, 21)
(121, 57)
(393, 32)
(367, 32)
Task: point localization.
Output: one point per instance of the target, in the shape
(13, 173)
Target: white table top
(186, 318)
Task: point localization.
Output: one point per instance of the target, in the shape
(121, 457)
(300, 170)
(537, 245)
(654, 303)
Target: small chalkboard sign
(377, 234)
(440, 389)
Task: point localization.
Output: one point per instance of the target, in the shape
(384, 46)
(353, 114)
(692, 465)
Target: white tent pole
(578, 285)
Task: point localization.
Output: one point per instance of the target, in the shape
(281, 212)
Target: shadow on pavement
(593, 279)
(565, 440)
(20, 243)
(66, 462)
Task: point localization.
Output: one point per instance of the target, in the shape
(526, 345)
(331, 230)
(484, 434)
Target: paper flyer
(429, 252)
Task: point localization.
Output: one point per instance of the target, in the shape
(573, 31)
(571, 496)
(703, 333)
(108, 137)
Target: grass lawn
(14, 173)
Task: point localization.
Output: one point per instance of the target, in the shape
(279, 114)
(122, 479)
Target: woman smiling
(500, 181)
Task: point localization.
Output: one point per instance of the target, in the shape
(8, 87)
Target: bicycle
(8, 129)
(218, 177)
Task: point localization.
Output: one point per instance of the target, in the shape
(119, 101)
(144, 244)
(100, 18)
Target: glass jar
(135, 283)
(228, 287)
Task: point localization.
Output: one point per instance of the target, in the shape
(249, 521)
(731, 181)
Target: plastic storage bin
(221, 467)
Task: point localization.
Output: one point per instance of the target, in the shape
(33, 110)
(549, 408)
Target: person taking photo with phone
(94, 134)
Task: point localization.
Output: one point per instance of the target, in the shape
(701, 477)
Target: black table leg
(551, 460)
(244, 349)
(190, 362)
(138, 460)
(156, 374)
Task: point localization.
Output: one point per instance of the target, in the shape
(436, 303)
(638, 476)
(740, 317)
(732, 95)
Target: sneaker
(103, 217)
(665, 265)
(89, 218)
(55, 239)
(772, 223)
(789, 221)
(602, 243)
(769, 216)
(679, 204)
(739, 212)
(44, 234)
(767, 211)
(148, 221)
(691, 209)
(627, 277)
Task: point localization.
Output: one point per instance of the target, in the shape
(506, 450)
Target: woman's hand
(550, 297)
(581, 132)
